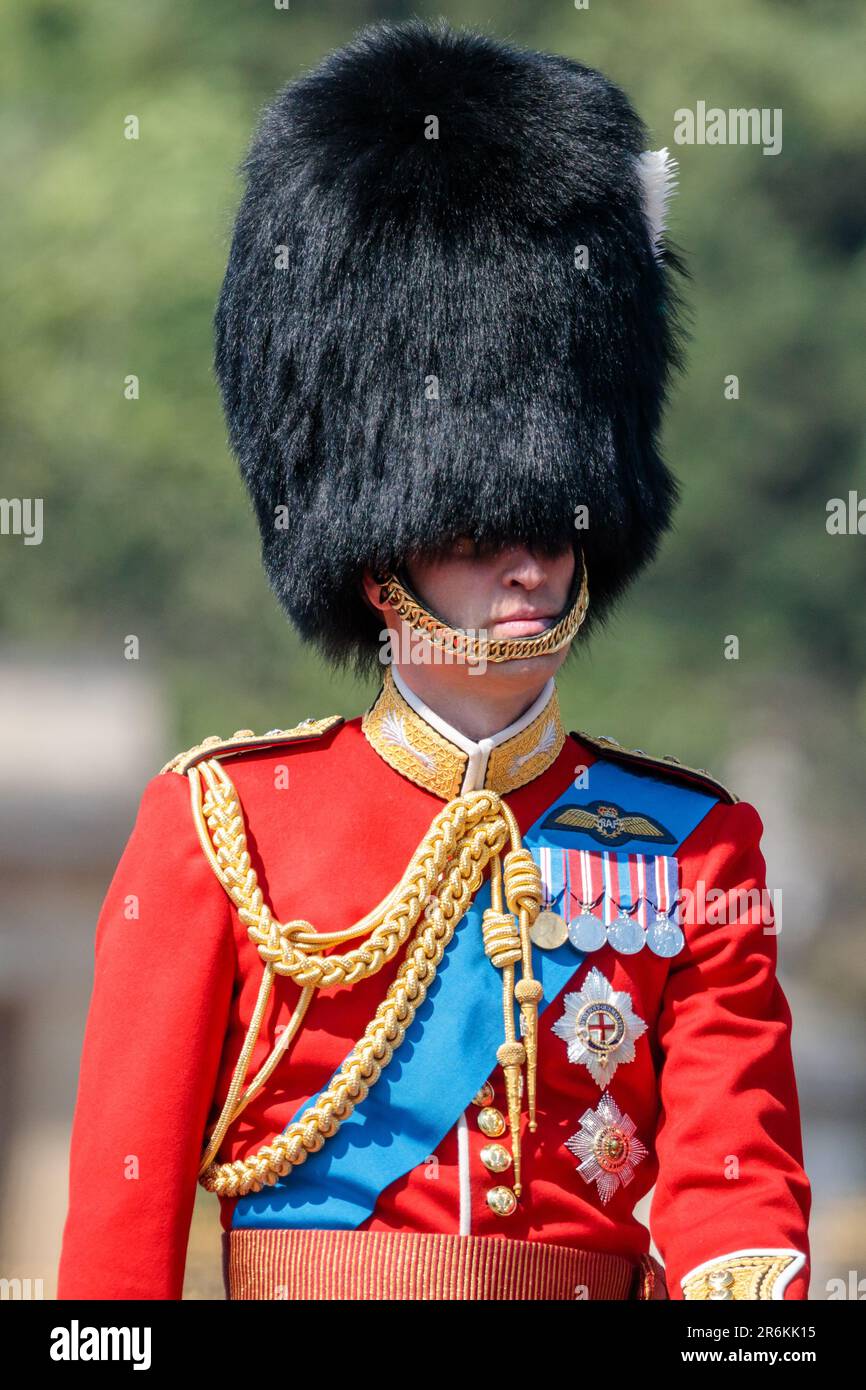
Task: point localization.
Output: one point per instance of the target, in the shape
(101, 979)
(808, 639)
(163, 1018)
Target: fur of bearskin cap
(371, 266)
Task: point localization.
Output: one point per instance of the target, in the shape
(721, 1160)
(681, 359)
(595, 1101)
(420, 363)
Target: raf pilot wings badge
(608, 824)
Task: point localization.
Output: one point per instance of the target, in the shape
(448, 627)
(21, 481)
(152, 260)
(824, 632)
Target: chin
(526, 671)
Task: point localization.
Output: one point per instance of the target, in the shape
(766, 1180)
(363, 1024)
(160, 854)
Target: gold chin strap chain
(437, 888)
(457, 642)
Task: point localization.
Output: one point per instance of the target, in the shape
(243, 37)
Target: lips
(524, 623)
(525, 615)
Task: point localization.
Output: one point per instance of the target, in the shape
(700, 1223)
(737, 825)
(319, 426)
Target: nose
(523, 569)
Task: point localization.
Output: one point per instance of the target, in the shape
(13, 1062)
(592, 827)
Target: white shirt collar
(478, 753)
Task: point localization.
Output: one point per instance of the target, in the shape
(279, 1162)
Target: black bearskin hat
(448, 310)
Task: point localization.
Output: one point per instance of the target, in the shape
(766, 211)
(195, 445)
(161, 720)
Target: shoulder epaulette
(696, 776)
(245, 741)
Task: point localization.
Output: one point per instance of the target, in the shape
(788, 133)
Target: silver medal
(586, 932)
(664, 937)
(626, 935)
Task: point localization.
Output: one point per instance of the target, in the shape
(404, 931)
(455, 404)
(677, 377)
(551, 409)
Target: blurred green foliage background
(112, 256)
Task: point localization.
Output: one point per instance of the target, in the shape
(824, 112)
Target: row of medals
(588, 933)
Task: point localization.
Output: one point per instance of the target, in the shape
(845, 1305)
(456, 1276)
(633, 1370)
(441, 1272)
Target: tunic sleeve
(731, 1205)
(165, 966)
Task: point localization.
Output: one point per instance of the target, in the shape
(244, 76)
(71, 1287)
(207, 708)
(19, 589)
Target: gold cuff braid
(743, 1277)
(437, 888)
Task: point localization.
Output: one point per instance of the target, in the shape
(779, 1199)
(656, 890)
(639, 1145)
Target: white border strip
(465, 1227)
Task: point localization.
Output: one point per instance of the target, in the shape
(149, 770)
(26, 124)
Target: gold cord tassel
(523, 892)
(505, 943)
(502, 948)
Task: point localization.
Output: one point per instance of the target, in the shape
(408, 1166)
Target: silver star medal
(600, 1027)
(607, 1147)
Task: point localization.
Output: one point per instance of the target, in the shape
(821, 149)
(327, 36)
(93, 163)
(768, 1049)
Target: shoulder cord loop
(434, 893)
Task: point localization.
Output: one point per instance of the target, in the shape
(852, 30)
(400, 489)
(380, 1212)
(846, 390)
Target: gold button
(496, 1158)
(502, 1200)
(491, 1122)
(484, 1096)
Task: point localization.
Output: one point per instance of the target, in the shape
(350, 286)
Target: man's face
(512, 592)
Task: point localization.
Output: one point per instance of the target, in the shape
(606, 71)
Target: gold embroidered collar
(413, 739)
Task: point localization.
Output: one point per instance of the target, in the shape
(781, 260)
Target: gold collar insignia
(409, 743)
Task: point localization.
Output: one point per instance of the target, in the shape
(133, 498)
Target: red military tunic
(332, 823)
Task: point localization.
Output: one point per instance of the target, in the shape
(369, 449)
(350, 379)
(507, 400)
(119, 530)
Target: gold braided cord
(223, 806)
(235, 1104)
(229, 1110)
(277, 1053)
(285, 944)
(219, 823)
(386, 1030)
(457, 642)
(433, 895)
